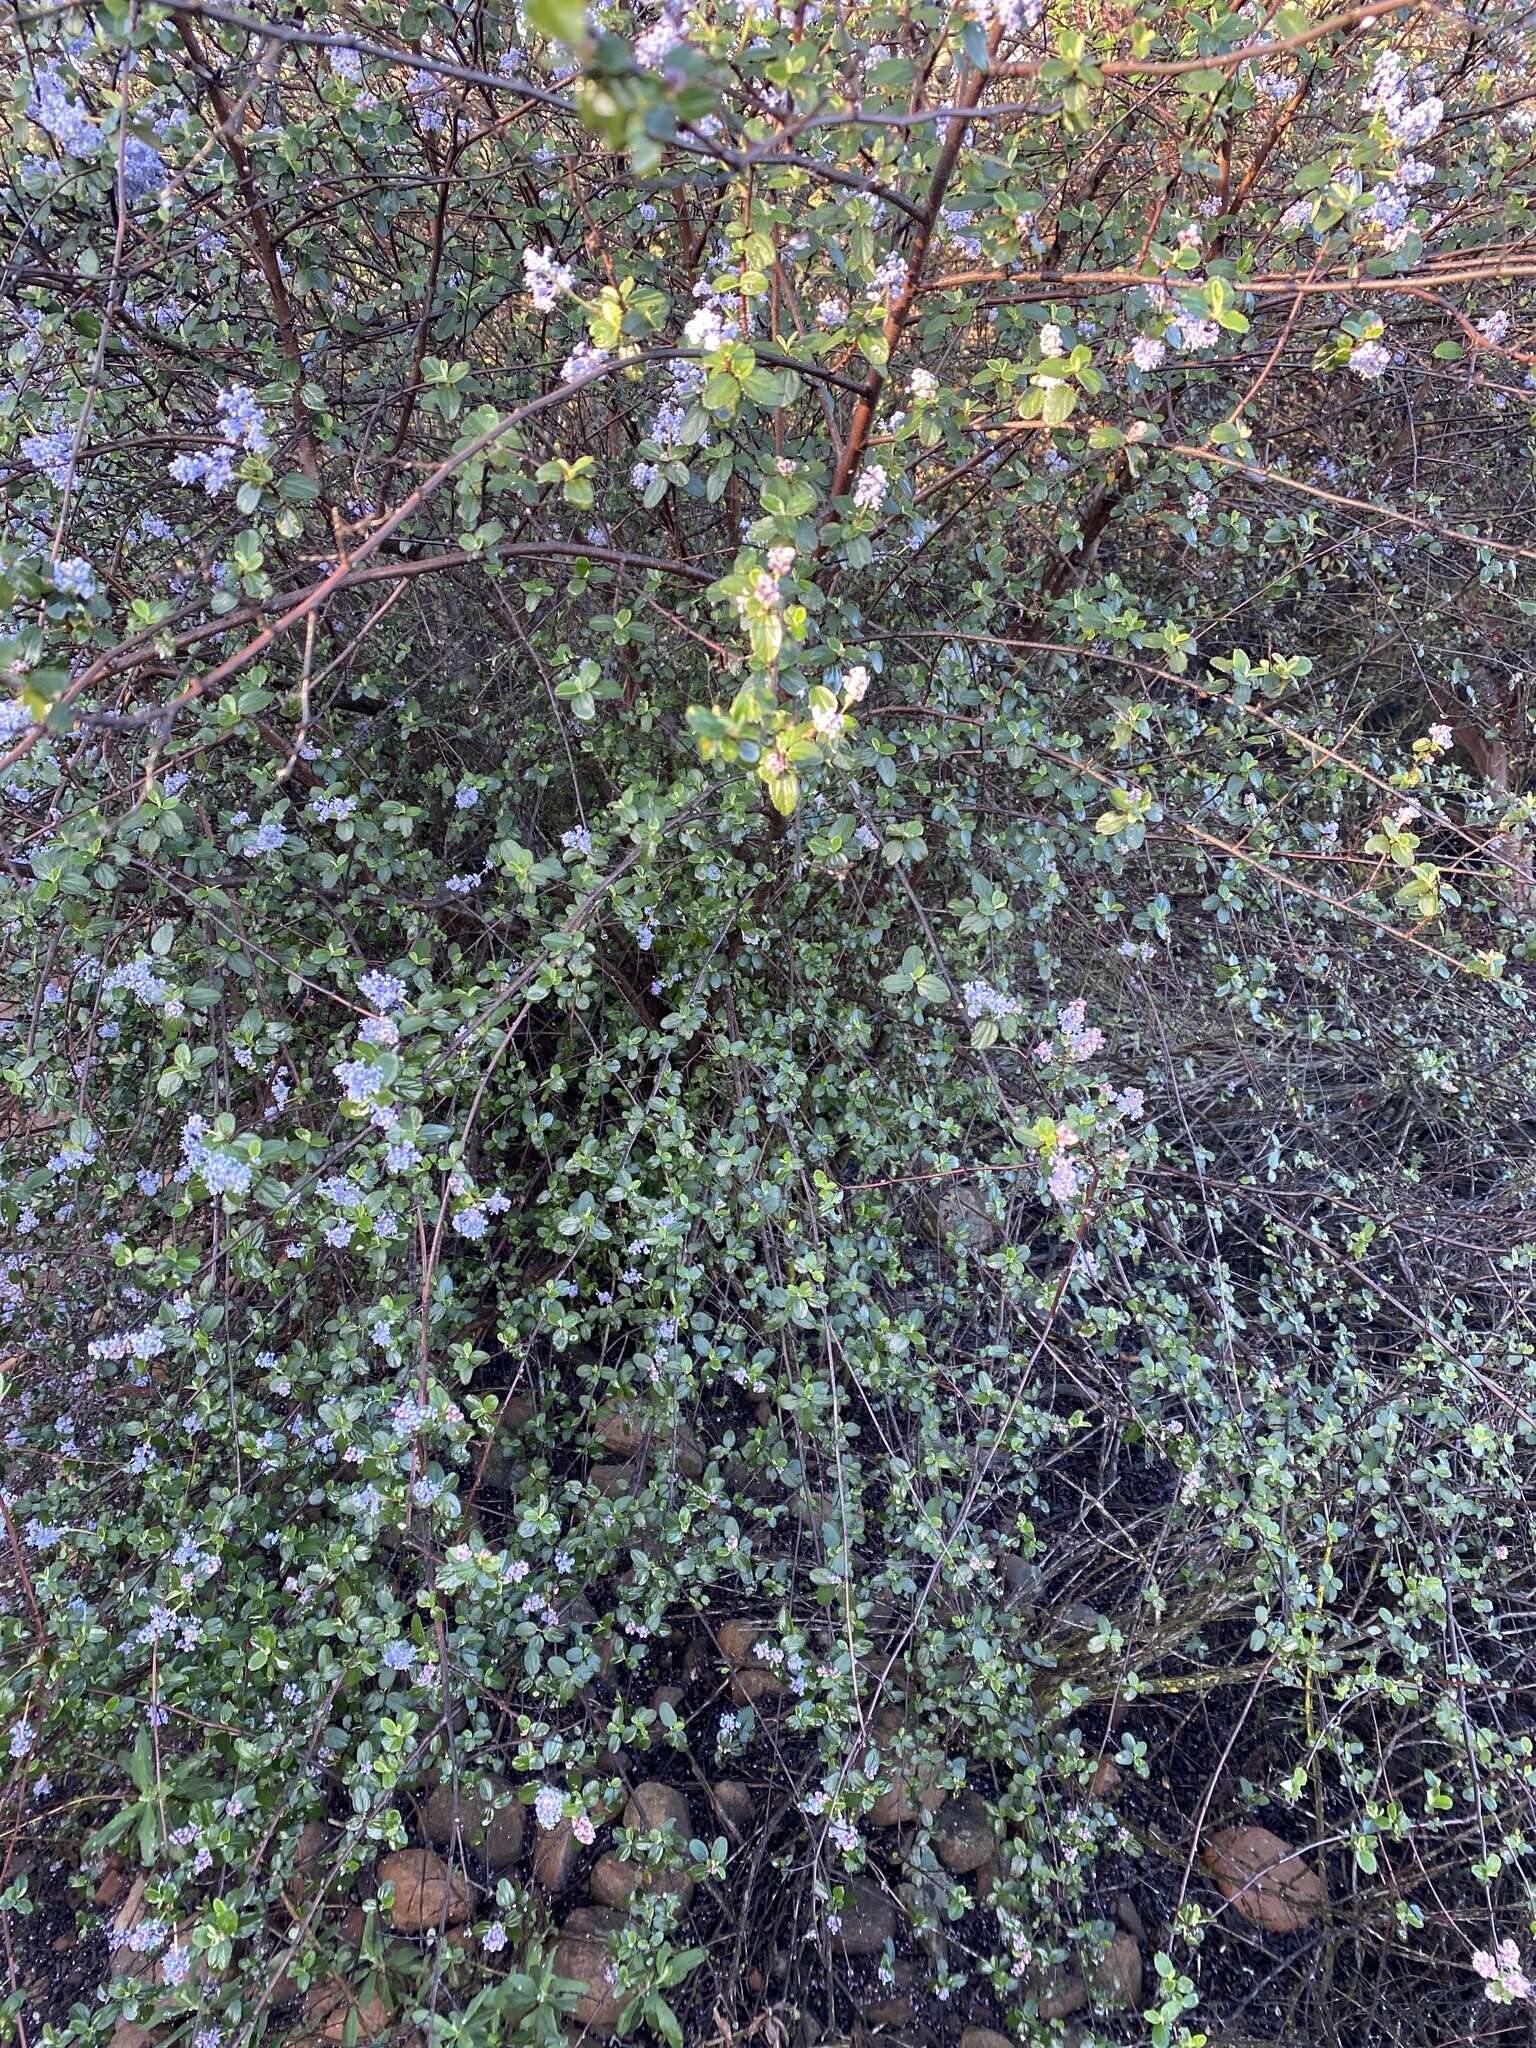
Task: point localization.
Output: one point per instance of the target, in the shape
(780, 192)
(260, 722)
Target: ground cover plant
(765, 1020)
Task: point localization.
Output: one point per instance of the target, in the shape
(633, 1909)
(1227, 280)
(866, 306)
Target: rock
(1104, 1779)
(689, 1453)
(890, 2012)
(868, 1919)
(751, 1687)
(584, 1958)
(352, 1926)
(111, 1885)
(960, 1212)
(626, 1429)
(282, 1973)
(427, 1892)
(983, 2037)
(331, 2005)
(1266, 1882)
(614, 1481)
(491, 1827)
(735, 1805)
(1023, 1581)
(903, 1800)
(653, 1804)
(889, 1722)
(1129, 1918)
(1115, 1980)
(579, 1615)
(554, 1858)
(316, 1842)
(816, 1511)
(614, 1880)
(1062, 1995)
(126, 2035)
(150, 1967)
(963, 1839)
(622, 1428)
(127, 1917)
(751, 1679)
(667, 1696)
(600, 1921)
(502, 1467)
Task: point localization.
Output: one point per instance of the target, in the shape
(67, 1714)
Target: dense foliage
(767, 932)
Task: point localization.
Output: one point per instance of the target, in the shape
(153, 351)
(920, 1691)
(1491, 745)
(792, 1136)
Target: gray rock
(959, 1214)
(503, 1467)
(1024, 1583)
(751, 1687)
(614, 1481)
(963, 1839)
(127, 2033)
(579, 1615)
(868, 1919)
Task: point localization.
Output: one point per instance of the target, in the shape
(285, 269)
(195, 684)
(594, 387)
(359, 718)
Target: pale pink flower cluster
(765, 585)
(1503, 1979)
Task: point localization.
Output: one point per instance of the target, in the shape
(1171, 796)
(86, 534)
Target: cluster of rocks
(1111, 1983)
(582, 1950)
(481, 1825)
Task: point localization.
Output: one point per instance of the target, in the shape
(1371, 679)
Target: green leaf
(562, 21)
(664, 2020)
